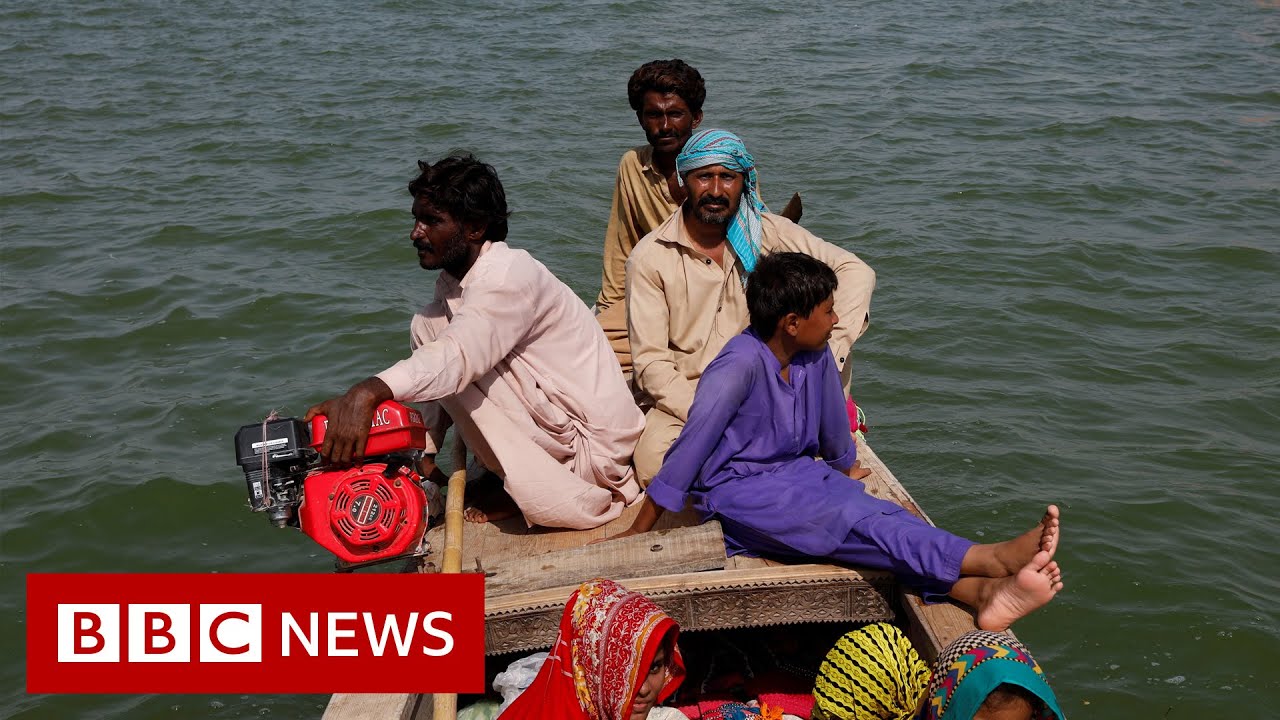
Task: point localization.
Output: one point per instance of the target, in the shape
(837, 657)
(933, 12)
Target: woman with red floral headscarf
(614, 658)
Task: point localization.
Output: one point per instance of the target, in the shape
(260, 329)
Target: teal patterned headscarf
(974, 665)
(721, 147)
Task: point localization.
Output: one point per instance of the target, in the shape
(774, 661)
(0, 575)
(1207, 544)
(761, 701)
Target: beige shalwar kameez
(641, 202)
(682, 308)
(512, 357)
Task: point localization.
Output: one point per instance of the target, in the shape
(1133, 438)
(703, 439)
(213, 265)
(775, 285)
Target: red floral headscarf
(602, 655)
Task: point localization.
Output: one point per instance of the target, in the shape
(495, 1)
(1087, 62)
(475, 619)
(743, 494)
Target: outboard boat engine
(370, 512)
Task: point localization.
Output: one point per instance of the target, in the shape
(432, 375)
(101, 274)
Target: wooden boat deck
(681, 565)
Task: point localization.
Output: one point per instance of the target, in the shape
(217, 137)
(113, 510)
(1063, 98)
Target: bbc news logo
(232, 633)
(158, 633)
(255, 633)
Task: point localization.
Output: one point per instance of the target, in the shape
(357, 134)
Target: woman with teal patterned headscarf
(987, 671)
(721, 147)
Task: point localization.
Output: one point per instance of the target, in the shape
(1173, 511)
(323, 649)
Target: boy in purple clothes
(767, 452)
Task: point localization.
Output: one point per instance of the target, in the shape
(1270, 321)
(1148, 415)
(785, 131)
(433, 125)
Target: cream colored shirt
(682, 307)
(510, 322)
(641, 202)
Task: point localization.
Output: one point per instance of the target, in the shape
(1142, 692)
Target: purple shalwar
(769, 459)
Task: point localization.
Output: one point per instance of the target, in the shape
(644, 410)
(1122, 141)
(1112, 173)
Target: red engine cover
(395, 428)
(361, 515)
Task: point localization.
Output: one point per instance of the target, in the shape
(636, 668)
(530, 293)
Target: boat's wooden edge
(665, 585)
(709, 600)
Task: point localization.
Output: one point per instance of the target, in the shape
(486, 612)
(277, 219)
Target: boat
(681, 565)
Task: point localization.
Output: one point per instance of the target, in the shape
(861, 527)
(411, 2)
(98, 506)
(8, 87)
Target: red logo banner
(383, 633)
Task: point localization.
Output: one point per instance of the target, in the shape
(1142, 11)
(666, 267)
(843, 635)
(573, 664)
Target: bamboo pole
(445, 705)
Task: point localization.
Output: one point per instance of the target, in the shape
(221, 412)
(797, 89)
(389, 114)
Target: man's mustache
(713, 200)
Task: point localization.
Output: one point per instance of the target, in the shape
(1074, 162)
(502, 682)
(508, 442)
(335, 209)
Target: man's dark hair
(667, 76)
(1007, 693)
(784, 283)
(467, 189)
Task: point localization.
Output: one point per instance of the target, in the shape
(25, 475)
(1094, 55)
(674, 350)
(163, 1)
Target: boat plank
(512, 539)
(742, 562)
(663, 552)
(384, 706)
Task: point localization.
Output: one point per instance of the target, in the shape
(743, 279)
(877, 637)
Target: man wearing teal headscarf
(684, 283)
(721, 147)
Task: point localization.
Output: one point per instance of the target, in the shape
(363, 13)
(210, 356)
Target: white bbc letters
(230, 632)
(88, 633)
(159, 633)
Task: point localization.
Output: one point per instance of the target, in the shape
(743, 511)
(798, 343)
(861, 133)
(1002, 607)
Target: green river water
(1073, 210)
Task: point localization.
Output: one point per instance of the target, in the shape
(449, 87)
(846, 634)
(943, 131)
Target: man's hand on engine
(350, 416)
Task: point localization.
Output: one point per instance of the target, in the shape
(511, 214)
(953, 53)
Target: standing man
(685, 280)
(511, 356)
(667, 97)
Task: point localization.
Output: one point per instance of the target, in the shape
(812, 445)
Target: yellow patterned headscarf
(872, 673)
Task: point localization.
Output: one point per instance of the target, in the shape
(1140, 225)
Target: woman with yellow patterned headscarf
(872, 673)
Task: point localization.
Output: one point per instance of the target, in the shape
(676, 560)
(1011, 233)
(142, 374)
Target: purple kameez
(769, 459)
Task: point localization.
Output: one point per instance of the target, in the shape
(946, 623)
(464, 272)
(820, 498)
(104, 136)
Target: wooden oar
(445, 705)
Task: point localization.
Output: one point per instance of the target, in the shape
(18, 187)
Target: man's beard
(654, 140)
(712, 219)
(450, 255)
(709, 217)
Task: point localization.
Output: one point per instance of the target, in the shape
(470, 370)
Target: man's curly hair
(467, 189)
(667, 76)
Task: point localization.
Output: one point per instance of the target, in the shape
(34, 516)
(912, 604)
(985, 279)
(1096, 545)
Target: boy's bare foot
(1016, 553)
(476, 515)
(1006, 600)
